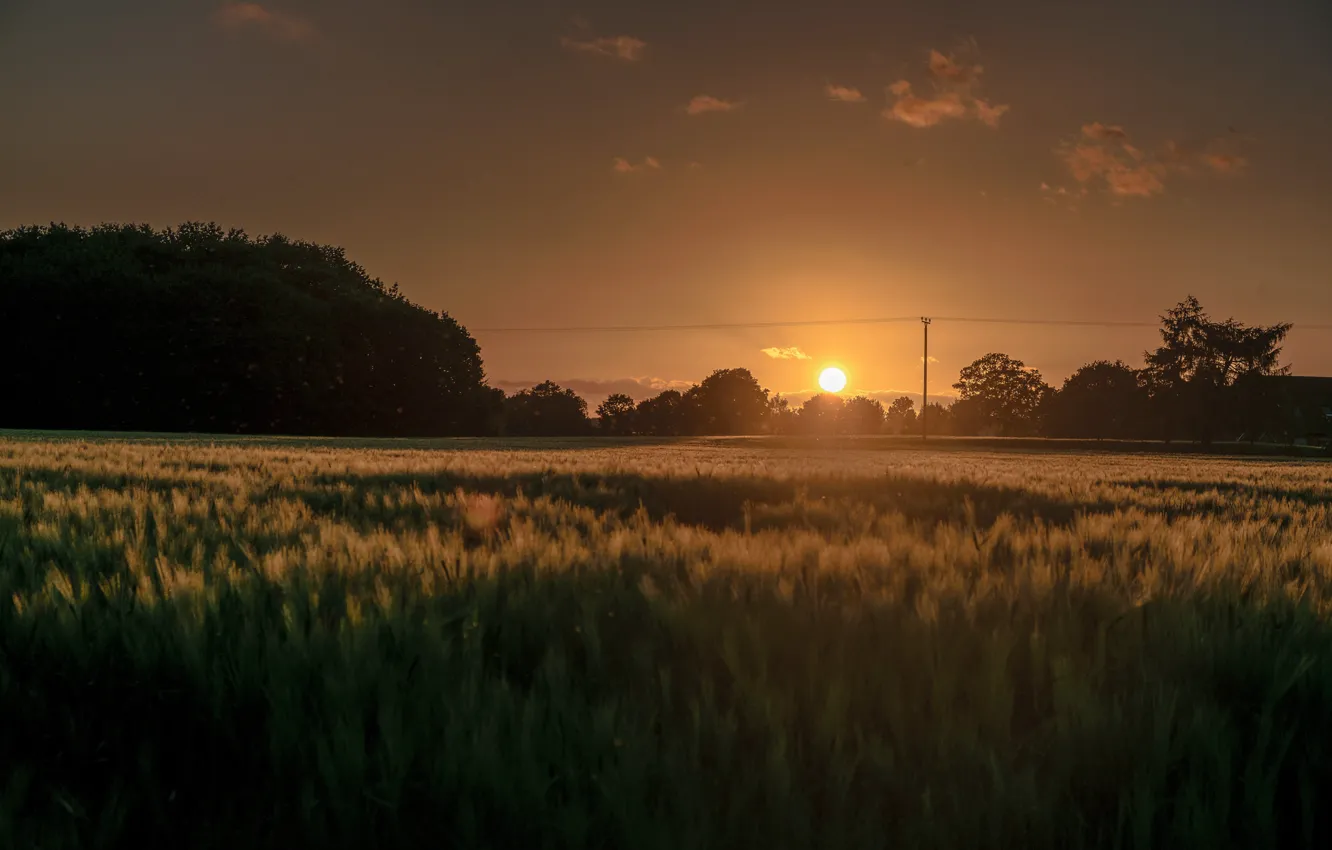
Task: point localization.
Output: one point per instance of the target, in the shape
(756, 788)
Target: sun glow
(832, 380)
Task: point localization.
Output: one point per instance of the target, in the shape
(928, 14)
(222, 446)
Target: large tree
(729, 401)
(821, 414)
(862, 415)
(781, 418)
(1101, 400)
(546, 410)
(615, 415)
(1203, 367)
(900, 417)
(660, 416)
(1005, 394)
(199, 329)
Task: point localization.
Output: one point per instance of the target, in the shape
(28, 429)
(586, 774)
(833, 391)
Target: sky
(550, 163)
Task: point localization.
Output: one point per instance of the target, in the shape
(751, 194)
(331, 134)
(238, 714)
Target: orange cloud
(926, 112)
(1122, 172)
(277, 25)
(705, 103)
(595, 390)
(1226, 163)
(949, 70)
(622, 47)
(788, 353)
(624, 166)
(844, 94)
(1104, 132)
(955, 83)
(990, 115)
(885, 397)
(1102, 153)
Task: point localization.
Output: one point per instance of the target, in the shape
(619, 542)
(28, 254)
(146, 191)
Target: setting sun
(832, 380)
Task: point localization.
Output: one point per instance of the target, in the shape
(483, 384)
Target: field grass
(690, 644)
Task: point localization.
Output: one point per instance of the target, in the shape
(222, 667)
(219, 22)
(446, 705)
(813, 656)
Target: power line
(717, 326)
(1061, 322)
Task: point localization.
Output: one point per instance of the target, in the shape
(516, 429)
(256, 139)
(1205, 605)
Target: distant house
(1306, 408)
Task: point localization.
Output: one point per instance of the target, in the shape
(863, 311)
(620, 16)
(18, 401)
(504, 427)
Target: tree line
(1209, 379)
(193, 328)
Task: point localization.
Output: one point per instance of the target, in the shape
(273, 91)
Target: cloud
(844, 94)
(1102, 155)
(884, 397)
(932, 359)
(788, 353)
(1104, 132)
(1226, 163)
(1117, 164)
(947, 69)
(925, 112)
(595, 390)
(990, 115)
(705, 103)
(624, 166)
(955, 81)
(276, 25)
(623, 47)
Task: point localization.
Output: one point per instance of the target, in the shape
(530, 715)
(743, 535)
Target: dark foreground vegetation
(660, 648)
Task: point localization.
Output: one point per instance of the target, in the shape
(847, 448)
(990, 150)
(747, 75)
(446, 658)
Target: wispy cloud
(623, 47)
(884, 397)
(924, 111)
(706, 103)
(844, 94)
(1103, 155)
(955, 82)
(624, 166)
(595, 390)
(990, 115)
(1226, 163)
(274, 24)
(789, 353)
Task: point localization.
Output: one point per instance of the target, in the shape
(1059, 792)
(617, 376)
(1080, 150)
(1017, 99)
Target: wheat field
(686, 644)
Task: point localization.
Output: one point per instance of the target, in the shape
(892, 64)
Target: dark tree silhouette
(1101, 400)
(1003, 393)
(546, 410)
(729, 401)
(900, 417)
(942, 420)
(821, 414)
(661, 415)
(1192, 376)
(862, 415)
(199, 329)
(781, 418)
(615, 415)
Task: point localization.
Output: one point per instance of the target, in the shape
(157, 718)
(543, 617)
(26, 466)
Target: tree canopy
(199, 329)
(729, 401)
(546, 410)
(1003, 394)
(1204, 368)
(616, 415)
(1102, 400)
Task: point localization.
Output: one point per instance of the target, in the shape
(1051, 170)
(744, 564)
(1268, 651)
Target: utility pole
(925, 385)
